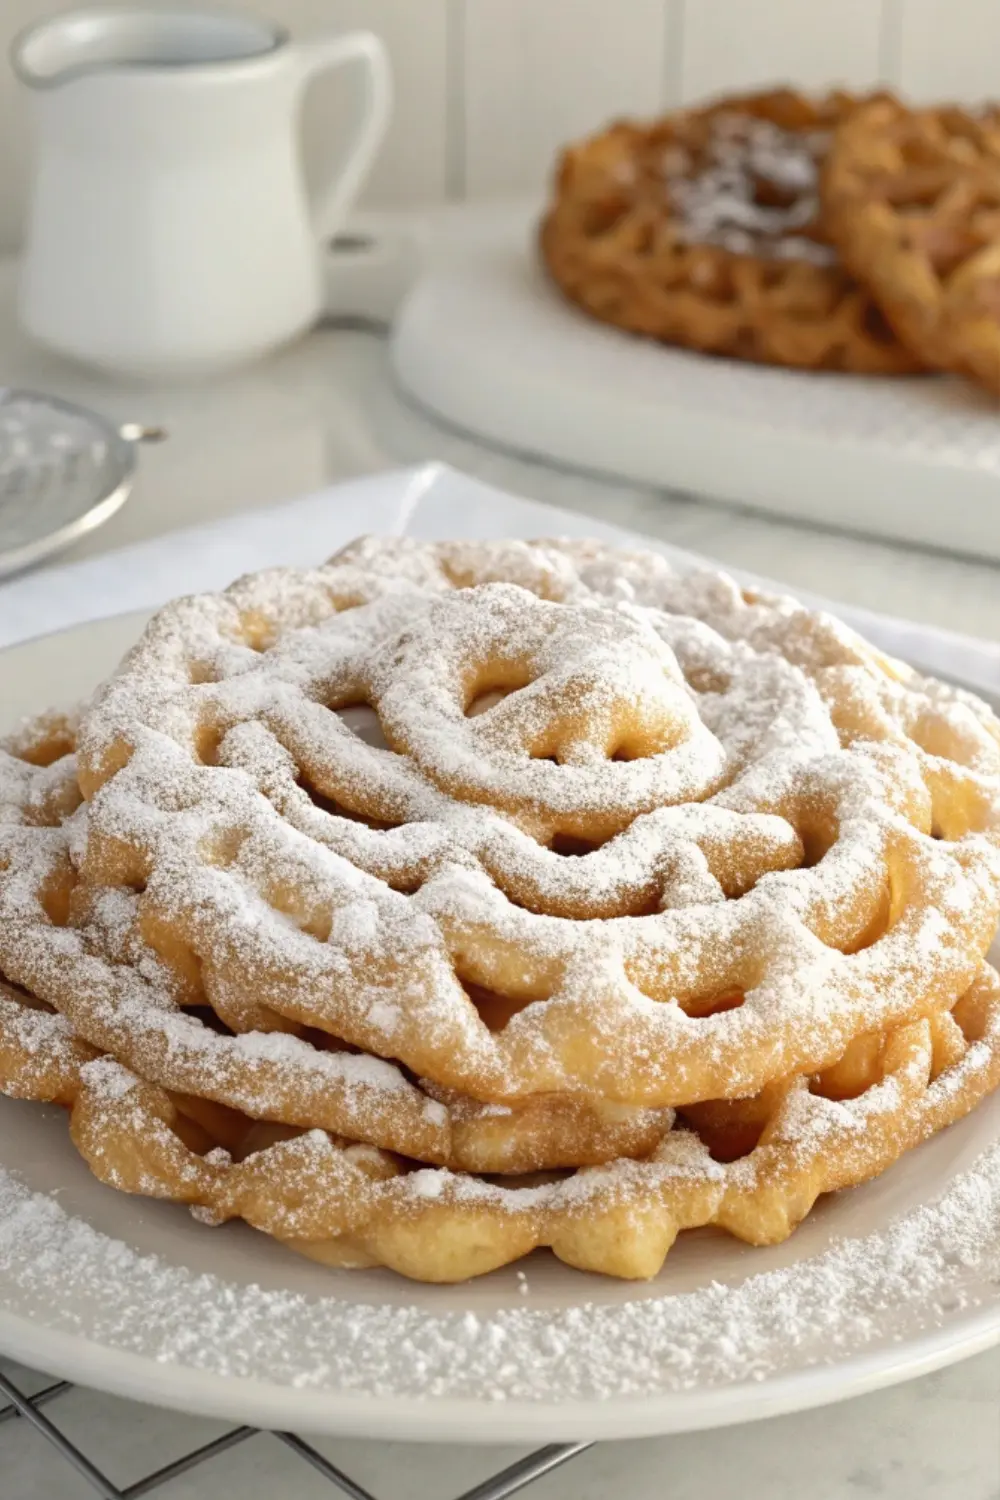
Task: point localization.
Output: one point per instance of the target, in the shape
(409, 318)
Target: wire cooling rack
(20, 1406)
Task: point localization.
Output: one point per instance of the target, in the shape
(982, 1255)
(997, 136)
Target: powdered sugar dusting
(759, 787)
(923, 1268)
(688, 729)
(722, 204)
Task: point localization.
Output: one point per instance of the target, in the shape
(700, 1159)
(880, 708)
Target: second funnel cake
(913, 202)
(443, 864)
(704, 228)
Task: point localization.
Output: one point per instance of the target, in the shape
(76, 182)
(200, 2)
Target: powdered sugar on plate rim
(918, 1293)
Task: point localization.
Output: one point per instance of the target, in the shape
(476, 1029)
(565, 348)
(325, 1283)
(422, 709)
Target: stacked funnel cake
(705, 228)
(453, 900)
(832, 233)
(912, 197)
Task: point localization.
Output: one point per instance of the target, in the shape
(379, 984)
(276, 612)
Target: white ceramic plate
(348, 1352)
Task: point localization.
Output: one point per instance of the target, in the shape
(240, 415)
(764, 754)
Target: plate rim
(436, 1419)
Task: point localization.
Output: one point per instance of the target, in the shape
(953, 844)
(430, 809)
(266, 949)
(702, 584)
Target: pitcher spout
(110, 39)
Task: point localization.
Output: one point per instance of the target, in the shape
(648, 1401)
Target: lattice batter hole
(849, 1077)
(876, 927)
(573, 848)
(313, 918)
(817, 840)
(256, 632)
(56, 895)
(179, 957)
(221, 847)
(486, 688)
(361, 719)
(495, 1010)
(699, 1007)
(953, 812)
(207, 739)
(729, 1129)
(874, 323)
(337, 809)
(970, 1015)
(209, 1018)
(53, 747)
(944, 739)
(485, 699)
(706, 680)
(261, 1135)
(202, 673)
(325, 1041)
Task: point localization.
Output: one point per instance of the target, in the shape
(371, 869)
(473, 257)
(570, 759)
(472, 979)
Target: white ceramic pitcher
(169, 232)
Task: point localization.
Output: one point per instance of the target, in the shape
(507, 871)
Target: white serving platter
(484, 342)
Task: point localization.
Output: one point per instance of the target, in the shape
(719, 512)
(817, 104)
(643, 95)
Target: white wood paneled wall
(726, 44)
(486, 90)
(947, 48)
(534, 75)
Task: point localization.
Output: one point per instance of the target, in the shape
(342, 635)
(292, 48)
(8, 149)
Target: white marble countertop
(935, 1439)
(325, 410)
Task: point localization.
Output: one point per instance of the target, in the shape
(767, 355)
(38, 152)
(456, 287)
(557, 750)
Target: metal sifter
(63, 471)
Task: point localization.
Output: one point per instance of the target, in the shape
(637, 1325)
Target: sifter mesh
(63, 471)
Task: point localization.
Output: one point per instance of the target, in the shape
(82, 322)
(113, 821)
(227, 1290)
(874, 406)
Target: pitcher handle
(320, 55)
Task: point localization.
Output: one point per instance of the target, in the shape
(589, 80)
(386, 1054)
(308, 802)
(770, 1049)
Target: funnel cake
(753, 1167)
(64, 937)
(912, 201)
(353, 1205)
(704, 841)
(446, 863)
(704, 229)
